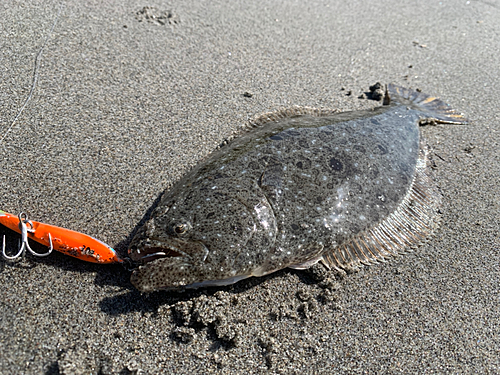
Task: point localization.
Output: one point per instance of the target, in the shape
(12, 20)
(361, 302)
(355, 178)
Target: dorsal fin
(274, 116)
(416, 218)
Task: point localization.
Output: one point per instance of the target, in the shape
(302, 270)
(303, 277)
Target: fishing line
(35, 74)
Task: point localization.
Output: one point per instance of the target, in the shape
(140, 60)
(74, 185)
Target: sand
(127, 99)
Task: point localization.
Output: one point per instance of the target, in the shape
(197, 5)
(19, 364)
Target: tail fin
(437, 110)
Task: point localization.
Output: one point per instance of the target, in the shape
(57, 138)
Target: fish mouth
(150, 253)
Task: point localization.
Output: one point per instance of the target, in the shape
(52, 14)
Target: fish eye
(180, 228)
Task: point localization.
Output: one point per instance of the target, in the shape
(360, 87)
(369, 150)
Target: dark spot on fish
(276, 138)
(254, 165)
(373, 172)
(325, 135)
(374, 216)
(293, 133)
(264, 160)
(303, 163)
(359, 149)
(219, 175)
(336, 164)
(382, 149)
(237, 230)
(211, 214)
(405, 168)
(355, 189)
(303, 143)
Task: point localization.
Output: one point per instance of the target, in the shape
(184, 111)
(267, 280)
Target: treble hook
(23, 226)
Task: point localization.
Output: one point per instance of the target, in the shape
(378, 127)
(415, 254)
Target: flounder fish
(297, 187)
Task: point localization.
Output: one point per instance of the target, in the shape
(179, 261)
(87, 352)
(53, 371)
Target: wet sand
(127, 100)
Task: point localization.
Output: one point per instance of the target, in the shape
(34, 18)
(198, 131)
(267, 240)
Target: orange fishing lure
(75, 244)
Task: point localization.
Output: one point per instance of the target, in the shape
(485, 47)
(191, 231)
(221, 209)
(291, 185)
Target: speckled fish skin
(281, 195)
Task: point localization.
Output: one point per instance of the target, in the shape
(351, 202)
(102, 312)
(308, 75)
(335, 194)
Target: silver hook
(23, 226)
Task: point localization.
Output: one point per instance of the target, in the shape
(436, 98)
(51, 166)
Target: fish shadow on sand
(216, 312)
(134, 300)
(153, 302)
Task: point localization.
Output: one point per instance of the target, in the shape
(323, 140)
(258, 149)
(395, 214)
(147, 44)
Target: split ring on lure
(75, 244)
